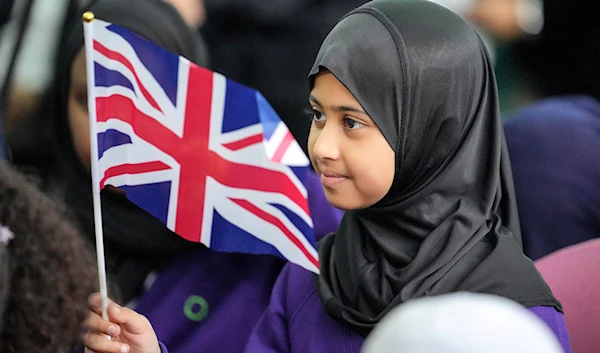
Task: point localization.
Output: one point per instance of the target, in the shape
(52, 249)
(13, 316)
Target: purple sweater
(209, 301)
(296, 321)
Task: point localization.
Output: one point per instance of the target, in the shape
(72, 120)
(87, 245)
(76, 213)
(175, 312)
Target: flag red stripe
(122, 108)
(120, 58)
(283, 146)
(248, 141)
(137, 168)
(276, 222)
(253, 178)
(193, 154)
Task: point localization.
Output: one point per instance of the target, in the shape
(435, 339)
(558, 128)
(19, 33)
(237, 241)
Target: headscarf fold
(449, 222)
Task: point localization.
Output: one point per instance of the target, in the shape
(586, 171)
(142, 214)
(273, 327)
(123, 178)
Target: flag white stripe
(158, 176)
(294, 156)
(272, 144)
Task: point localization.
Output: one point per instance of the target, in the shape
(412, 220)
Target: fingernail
(112, 330)
(124, 348)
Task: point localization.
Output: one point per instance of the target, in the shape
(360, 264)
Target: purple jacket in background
(554, 149)
(297, 322)
(209, 301)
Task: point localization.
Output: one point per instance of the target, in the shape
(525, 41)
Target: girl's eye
(317, 115)
(352, 124)
(82, 99)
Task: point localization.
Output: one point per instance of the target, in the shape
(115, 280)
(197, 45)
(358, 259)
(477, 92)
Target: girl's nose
(326, 144)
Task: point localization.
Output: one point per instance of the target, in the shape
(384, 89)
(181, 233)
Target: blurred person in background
(28, 42)
(553, 142)
(553, 43)
(572, 274)
(192, 11)
(513, 92)
(554, 147)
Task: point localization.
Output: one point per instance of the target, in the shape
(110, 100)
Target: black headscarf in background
(449, 222)
(136, 243)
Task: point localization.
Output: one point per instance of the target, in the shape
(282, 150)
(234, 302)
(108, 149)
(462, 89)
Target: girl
(191, 293)
(406, 137)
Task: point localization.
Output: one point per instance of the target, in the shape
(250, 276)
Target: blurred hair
(50, 271)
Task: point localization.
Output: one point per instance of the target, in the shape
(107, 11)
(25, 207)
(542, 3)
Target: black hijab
(136, 243)
(449, 222)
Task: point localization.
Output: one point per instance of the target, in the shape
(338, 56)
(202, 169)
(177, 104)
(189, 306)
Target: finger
(87, 350)
(99, 343)
(95, 303)
(95, 323)
(130, 320)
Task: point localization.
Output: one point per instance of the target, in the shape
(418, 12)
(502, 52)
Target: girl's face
(78, 110)
(350, 155)
(79, 122)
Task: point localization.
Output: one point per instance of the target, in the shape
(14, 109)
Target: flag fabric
(205, 155)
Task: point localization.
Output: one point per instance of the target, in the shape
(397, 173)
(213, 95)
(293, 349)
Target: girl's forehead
(329, 92)
(360, 52)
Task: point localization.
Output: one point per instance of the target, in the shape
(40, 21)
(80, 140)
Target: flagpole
(88, 17)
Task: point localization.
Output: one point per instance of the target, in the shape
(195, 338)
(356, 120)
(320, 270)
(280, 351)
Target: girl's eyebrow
(339, 108)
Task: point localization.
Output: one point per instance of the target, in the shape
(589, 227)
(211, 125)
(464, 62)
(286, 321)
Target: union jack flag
(207, 156)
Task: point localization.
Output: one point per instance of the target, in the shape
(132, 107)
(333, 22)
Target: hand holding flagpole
(88, 17)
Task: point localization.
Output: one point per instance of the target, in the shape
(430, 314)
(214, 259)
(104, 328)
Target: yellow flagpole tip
(88, 16)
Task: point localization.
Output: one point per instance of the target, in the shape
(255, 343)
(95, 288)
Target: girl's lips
(331, 179)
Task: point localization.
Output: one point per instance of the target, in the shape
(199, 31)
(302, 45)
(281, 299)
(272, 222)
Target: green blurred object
(513, 91)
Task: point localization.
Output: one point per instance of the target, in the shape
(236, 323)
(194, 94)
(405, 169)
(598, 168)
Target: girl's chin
(341, 201)
(338, 202)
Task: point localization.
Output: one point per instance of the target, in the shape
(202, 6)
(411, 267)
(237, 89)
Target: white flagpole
(88, 17)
